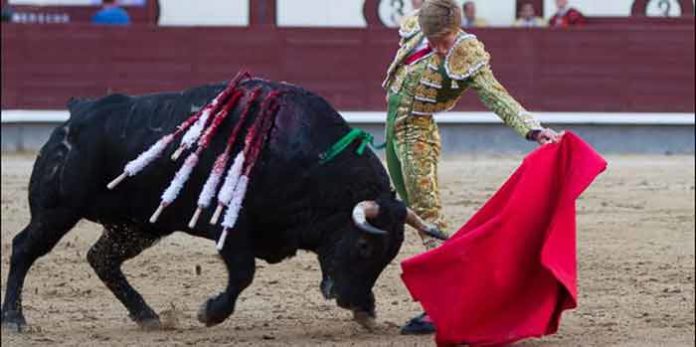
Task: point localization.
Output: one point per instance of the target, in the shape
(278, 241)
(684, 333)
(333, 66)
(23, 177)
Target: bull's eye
(364, 248)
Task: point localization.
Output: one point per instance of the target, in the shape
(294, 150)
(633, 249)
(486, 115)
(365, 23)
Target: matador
(436, 62)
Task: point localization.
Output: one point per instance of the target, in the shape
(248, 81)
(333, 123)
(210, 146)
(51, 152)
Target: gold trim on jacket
(433, 84)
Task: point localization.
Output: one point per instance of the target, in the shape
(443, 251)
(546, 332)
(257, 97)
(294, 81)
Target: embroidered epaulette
(467, 56)
(409, 26)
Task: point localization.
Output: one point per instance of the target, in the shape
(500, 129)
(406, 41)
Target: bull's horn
(364, 210)
(416, 222)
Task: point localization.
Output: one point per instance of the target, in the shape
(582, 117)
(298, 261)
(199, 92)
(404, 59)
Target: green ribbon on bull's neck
(353, 135)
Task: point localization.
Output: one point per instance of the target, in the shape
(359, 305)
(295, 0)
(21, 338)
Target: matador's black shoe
(418, 325)
(436, 233)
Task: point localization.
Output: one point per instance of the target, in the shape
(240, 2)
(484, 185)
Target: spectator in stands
(6, 14)
(528, 17)
(111, 14)
(470, 20)
(566, 16)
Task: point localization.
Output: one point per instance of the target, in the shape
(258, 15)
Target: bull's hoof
(13, 321)
(211, 314)
(147, 320)
(13, 327)
(365, 319)
(150, 324)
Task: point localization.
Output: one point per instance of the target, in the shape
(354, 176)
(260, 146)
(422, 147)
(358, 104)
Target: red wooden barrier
(617, 68)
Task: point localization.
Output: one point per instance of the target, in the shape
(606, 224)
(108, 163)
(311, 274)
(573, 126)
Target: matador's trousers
(413, 152)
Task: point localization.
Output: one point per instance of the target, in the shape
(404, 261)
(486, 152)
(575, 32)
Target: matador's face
(442, 44)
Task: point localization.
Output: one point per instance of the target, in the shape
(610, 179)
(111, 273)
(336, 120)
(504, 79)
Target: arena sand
(635, 251)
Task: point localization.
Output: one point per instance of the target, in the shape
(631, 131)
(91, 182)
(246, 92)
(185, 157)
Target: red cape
(510, 271)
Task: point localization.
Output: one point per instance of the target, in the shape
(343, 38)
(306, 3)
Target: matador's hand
(546, 135)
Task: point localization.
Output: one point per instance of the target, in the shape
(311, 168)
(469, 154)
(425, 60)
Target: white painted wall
(495, 12)
(612, 8)
(72, 2)
(347, 13)
(52, 2)
(204, 13)
(321, 13)
(627, 118)
(391, 12)
(655, 8)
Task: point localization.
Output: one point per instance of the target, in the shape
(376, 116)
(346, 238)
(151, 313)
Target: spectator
(111, 14)
(470, 20)
(566, 16)
(6, 14)
(528, 18)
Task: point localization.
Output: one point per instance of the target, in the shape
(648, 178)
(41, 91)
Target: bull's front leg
(241, 266)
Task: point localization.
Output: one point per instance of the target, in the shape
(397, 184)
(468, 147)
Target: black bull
(293, 201)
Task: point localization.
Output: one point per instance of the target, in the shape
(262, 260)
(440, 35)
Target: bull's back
(104, 134)
(109, 132)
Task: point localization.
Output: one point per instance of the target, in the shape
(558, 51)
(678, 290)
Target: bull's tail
(49, 167)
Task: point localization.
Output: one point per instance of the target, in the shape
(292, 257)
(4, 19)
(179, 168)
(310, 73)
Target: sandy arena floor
(635, 250)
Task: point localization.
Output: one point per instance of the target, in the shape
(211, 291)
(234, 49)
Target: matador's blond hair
(437, 17)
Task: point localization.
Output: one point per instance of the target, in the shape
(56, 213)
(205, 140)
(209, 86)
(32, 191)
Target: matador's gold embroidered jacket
(433, 84)
(426, 86)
